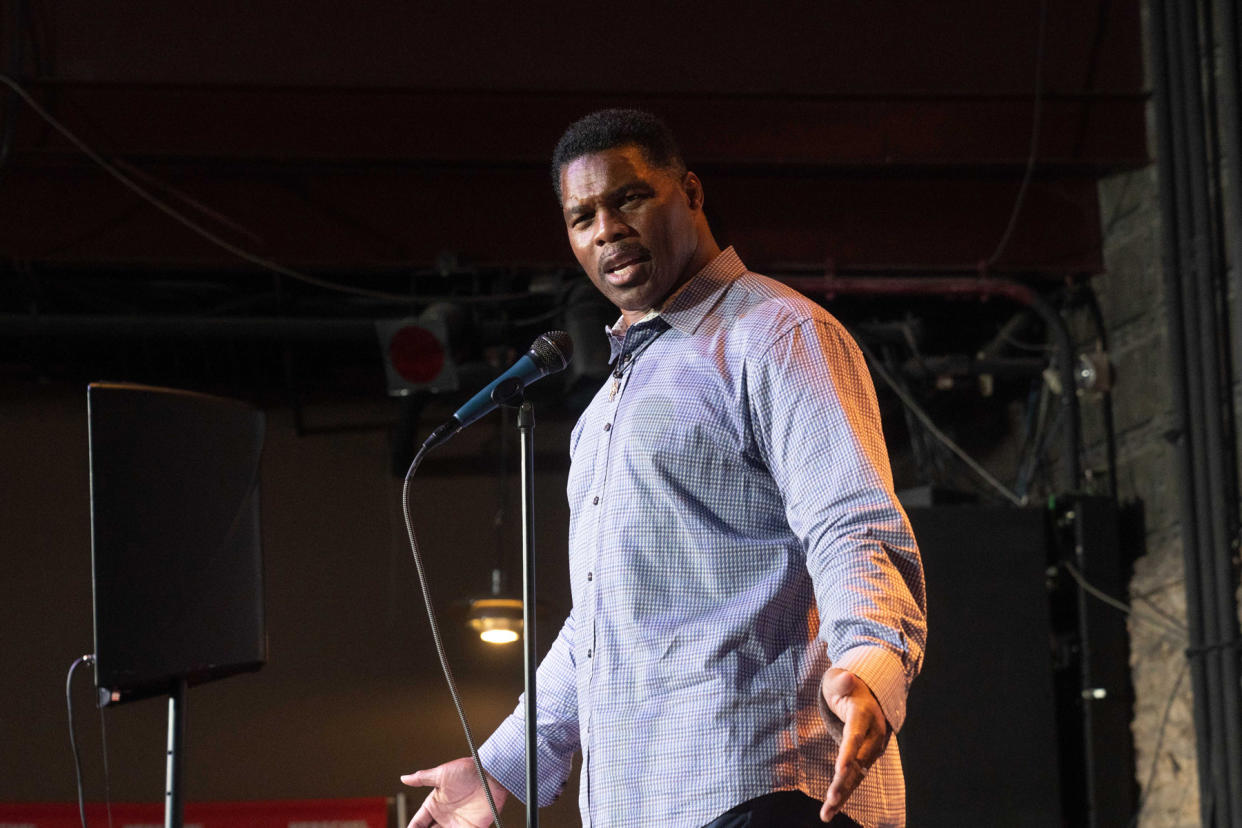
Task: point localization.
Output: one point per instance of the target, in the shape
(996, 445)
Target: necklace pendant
(616, 386)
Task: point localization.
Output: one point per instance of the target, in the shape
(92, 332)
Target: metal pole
(1227, 20)
(1199, 120)
(1170, 157)
(526, 429)
(174, 801)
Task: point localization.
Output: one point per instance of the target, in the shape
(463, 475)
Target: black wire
(242, 253)
(435, 635)
(908, 400)
(73, 736)
(1035, 124)
(8, 110)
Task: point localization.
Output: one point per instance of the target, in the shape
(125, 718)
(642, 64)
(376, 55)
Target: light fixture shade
(496, 620)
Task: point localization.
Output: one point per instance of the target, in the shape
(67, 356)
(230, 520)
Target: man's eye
(629, 197)
(580, 219)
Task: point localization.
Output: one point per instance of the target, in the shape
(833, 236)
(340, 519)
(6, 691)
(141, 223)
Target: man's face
(631, 225)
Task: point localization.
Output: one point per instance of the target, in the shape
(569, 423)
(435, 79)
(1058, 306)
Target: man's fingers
(847, 776)
(864, 735)
(422, 819)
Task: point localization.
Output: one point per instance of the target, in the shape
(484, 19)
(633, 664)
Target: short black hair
(612, 128)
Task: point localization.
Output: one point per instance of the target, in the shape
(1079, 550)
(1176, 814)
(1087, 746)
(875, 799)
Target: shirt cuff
(885, 676)
(503, 755)
(505, 763)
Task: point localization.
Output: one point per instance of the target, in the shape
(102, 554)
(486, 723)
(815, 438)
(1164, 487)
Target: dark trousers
(782, 809)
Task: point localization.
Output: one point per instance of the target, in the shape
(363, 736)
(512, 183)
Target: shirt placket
(598, 492)
(618, 382)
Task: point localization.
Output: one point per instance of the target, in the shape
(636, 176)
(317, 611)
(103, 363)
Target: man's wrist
(884, 675)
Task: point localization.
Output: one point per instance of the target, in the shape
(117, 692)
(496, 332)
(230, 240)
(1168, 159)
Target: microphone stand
(511, 397)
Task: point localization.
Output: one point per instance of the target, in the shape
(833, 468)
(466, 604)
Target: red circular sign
(416, 354)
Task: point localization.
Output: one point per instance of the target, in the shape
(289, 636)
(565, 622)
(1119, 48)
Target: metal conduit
(1171, 254)
(186, 327)
(1228, 90)
(1223, 468)
(1199, 349)
(1194, 261)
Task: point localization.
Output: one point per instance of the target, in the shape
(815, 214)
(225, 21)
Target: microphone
(549, 353)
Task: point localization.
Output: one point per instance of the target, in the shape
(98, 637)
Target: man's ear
(694, 190)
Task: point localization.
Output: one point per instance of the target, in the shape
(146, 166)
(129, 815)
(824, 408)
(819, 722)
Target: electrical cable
(926, 420)
(1154, 607)
(544, 316)
(1155, 758)
(239, 252)
(8, 107)
(1046, 429)
(1169, 626)
(215, 215)
(435, 634)
(1036, 118)
(1038, 347)
(73, 734)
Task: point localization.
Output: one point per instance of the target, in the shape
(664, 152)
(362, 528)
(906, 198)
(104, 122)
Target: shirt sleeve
(504, 753)
(817, 427)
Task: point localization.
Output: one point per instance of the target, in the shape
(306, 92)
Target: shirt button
(626, 358)
(595, 501)
(590, 576)
(589, 653)
(607, 426)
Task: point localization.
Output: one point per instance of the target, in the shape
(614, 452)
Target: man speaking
(748, 602)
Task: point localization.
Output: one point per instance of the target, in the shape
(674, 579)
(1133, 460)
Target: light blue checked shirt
(733, 532)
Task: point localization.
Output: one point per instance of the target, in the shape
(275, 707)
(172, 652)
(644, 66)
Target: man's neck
(704, 256)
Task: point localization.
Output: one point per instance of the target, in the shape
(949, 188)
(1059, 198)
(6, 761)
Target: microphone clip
(510, 393)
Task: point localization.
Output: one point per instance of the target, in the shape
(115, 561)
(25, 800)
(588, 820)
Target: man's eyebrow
(577, 208)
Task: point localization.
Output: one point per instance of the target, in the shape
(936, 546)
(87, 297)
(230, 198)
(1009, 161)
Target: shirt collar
(686, 308)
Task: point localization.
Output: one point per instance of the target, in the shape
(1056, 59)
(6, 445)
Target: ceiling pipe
(185, 327)
(980, 288)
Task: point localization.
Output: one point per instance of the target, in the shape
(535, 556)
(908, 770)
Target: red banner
(294, 813)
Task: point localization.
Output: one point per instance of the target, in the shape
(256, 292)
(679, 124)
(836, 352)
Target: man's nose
(609, 227)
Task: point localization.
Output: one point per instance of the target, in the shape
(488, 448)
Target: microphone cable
(73, 734)
(435, 634)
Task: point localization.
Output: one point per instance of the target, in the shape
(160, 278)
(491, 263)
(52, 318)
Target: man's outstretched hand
(458, 800)
(864, 735)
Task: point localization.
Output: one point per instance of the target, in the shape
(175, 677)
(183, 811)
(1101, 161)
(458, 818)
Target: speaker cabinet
(980, 744)
(177, 566)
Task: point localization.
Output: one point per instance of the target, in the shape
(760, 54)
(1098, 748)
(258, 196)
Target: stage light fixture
(496, 620)
(420, 352)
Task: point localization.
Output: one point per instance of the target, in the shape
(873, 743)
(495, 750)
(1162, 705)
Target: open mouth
(625, 265)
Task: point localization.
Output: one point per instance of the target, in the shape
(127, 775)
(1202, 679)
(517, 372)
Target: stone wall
(1132, 302)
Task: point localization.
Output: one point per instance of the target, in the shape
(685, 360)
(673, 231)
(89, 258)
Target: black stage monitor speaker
(980, 741)
(178, 571)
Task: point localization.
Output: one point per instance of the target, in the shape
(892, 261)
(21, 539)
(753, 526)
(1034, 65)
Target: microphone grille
(552, 351)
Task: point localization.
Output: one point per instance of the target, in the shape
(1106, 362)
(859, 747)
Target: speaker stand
(174, 802)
